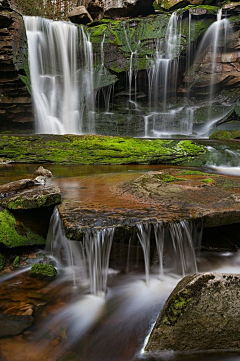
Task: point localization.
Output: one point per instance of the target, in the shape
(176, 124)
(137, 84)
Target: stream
(111, 322)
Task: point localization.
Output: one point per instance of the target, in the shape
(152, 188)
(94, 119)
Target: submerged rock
(14, 233)
(12, 325)
(202, 313)
(43, 271)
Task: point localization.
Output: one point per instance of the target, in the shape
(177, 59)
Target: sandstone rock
(42, 171)
(202, 313)
(80, 15)
(14, 187)
(15, 99)
(36, 197)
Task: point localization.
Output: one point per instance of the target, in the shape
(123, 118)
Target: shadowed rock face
(118, 8)
(202, 313)
(15, 100)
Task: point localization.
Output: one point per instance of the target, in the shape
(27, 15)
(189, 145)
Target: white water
(60, 91)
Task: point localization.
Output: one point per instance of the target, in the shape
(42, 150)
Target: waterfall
(97, 244)
(175, 245)
(60, 91)
(163, 75)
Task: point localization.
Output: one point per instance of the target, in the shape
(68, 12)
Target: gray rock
(41, 171)
(202, 313)
(80, 15)
(36, 197)
(14, 187)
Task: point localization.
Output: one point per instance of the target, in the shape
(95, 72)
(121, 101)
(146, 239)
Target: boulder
(202, 313)
(11, 188)
(41, 171)
(43, 271)
(80, 15)
(35, 197)
(175, 4)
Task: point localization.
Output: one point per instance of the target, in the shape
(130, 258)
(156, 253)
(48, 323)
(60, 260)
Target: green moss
(176, 307)
(169, 178)
(43, 271)
(225, 135)
(191, 172)
(2, 261)
(90, 149)
(207, 180)
(15, 234)
(16, 262)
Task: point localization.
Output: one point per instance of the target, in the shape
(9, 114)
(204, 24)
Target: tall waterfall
(60, 91)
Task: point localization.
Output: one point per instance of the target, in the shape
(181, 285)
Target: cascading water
(58, 86)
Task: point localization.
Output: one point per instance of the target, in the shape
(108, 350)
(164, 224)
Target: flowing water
(97, 309)
(66, 80)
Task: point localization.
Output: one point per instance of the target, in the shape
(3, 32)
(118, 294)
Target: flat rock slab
(31, 198)
(169, 195)
(202, 313)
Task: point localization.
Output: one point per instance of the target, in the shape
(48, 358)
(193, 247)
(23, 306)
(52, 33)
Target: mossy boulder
(43, 271)
(96, 149)
(32, 198)
(202, 313)
(2, 261)
(225, 135)
(14, 233)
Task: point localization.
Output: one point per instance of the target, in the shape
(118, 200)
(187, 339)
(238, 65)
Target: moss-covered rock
(16, 262)
(225, 135)
(2, 261)
(43, 271)
(14, 233)
(202, 313)
(90, 149)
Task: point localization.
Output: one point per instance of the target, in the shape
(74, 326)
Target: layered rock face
(15, 100)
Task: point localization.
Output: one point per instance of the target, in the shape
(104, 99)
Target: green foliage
(169, 178)
(16, 262)
(43, 271)
(15, 234)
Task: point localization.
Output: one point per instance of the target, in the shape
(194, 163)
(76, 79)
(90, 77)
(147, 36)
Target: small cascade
(224, 159)
(175, 246)
(97, 245)
(58, 86)
(144, 234)
(86, 262)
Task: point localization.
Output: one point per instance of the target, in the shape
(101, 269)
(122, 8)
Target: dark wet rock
(80, 15)
(12, 325)
(202, 313)
(175, 4)
(2, 261)
(35, 197)
(43, 271)
(41, 171)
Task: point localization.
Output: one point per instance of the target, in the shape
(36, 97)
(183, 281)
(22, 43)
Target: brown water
(70, 325)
